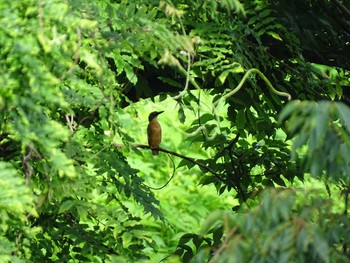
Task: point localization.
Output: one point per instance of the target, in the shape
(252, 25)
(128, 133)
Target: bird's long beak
(159, 112)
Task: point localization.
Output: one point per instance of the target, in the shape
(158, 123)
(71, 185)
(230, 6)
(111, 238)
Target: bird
(154, 132)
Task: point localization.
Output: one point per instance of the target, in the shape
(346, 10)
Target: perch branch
(192, 160)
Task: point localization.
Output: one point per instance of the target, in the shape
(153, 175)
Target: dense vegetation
(254, 165)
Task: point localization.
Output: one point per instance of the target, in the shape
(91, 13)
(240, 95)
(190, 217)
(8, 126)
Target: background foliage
(266, 180)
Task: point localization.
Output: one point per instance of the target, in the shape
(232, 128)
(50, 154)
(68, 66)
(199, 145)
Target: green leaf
(206, 118)
(289, 109)
(214, 220)
(241, 119)
(170, 82)
(65, 206)
(344, 115)
(222, 77)
(186, 163)
(181, 115)
(278, 180)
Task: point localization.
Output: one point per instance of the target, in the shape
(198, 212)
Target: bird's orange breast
(154, 134)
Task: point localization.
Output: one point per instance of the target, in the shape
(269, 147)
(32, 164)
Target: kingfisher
(154, 132)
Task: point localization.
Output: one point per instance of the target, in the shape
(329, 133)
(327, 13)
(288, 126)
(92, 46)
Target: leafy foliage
(13, 210)
(324, 127)
(59, 106)
(70, 190)
(278, 230)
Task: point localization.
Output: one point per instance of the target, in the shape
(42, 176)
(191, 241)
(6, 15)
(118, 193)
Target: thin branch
(69, 120)
(335, 17)
(236, 179)
(76, 55)
(342, 7)
(233, 142)
(201, 165)
(41, 18)
(236, 175)
(198, 113)
(28, 169)
(224, 245)
(255, 46)
(3, 136)
(346, 196)
(89, 116)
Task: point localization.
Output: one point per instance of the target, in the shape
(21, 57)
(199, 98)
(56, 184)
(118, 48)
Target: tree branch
(192, 160)
(224, 245)
(342, 7)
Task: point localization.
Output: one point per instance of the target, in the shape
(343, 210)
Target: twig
(346, 193)
(41, 18)
(70, 122)
(342, 7)
(208, 169)
(76, 55)
(236, 176)
(233, 142)
(28, 169)
(224, 245)
(255, 46)
(3, 136)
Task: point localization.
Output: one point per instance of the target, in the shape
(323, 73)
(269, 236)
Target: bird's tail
(155, 151)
